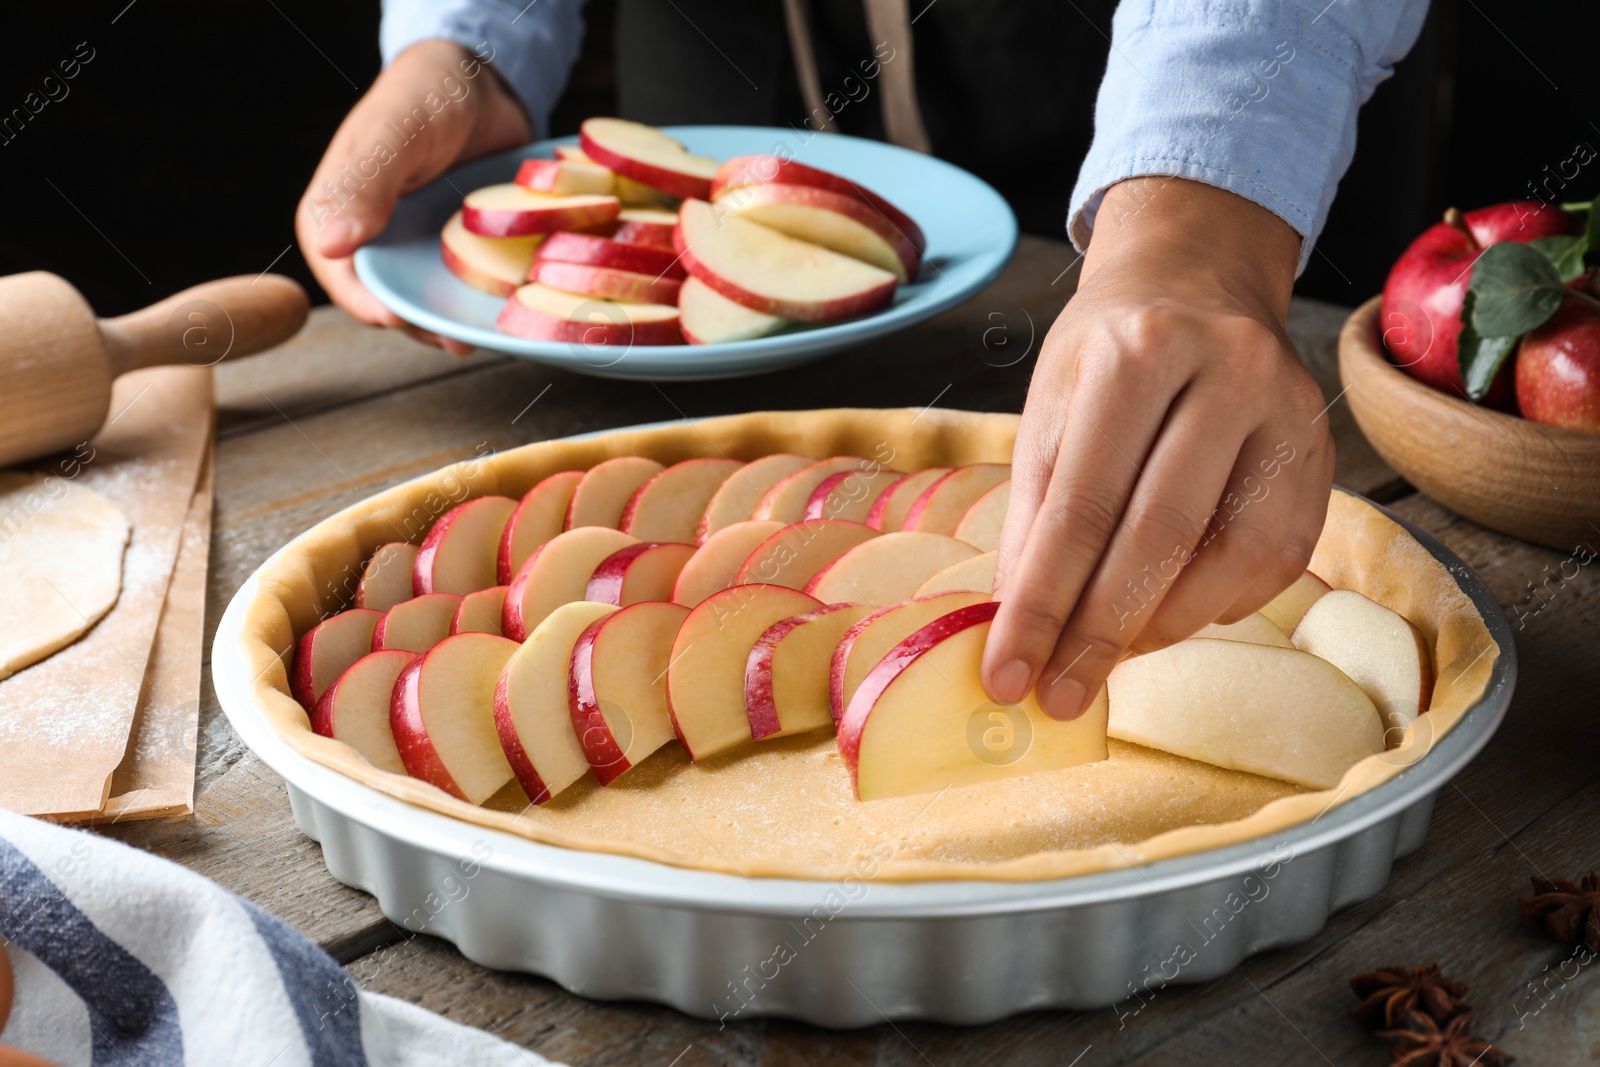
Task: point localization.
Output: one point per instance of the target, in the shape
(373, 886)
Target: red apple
(866, 642)
(540, 313)
(617, 686)
(645, 154)
(442, 714)
(643, 226)
(496, 265)
(458, 555)
(761, 169)
(418, 624)
(708, 318)
(788, 498)
(355, 708)
(603, 494)
(842, 223)
(557, 573)
(564, 177)
(512, 211)
(668, 506)
(386, 580)
(629, 287)
(1558, 367)
(540, 515)
(736, 499)
(638, 573)
(480, 612)
(943, 505)
(786, 676)
(793, 555)
(654, 260)
(716, 562)
(327, 650)
(888, 512)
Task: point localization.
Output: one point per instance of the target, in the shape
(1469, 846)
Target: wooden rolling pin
(57, 360)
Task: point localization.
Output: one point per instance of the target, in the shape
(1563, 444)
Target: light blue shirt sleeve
(532, 44)
(1258, 97)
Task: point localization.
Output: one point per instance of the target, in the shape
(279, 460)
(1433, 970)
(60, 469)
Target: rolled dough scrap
(60, 564)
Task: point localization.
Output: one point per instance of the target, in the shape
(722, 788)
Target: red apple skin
(519, 320)
(605, 584)
(322, 717)
(634, 231)
(606, 758)
(521, 766)
(1421, 315)
(301, 683)
(652, 259)
(762, 169)
(472, 276)
(511, 222)
(851, 207)
(422, 569)
(668, 181)
(411, 735)
(1558, 367)
(609, 283)
(798, 311)
(758, 698)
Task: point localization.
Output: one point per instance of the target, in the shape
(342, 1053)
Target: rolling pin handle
(204, 325)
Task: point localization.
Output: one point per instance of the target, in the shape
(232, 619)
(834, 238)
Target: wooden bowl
(1540, 483)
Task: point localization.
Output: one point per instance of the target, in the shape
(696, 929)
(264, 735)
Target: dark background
(185, 142)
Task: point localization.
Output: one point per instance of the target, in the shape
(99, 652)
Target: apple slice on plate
(943, 505)
(843, 224)
(656, 261)
(480, 612)
(460, 553)
(557, 573)
(1255, 628)
(647, 155)
(496, 265)
(355, 708)
(531, 713)
(736, 499)
(627, 190)
(608, 283)
(786, 676)
(442, 714)
(1277, 712)
(386, 579)
(646, 571)
(1290, 606)
(920, 722)
(418, 624)
(667, 506)
(539, 313)
(566, 177)
(708, 318)
(982, 523)
(540, 515)
(787, 498)
(617, 686)
(705, 676)
(887, 569)
(849, 494)
(509, 210)
(888, 512)
(1377, 647)
(646, 226)
(761, 169)
(794, 554)
(327, 649)
(715, 564)
(866, 642)
(974, 574)
(775, 274)
(605, 490)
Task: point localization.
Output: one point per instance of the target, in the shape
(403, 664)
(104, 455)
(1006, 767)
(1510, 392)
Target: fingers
(1312, 480)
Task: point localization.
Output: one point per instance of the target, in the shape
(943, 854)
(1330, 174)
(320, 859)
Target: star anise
(1568, 913)
(1420, 1042)
(1388, 994)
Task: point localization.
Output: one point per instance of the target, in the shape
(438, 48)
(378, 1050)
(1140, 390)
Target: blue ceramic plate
(970, 232)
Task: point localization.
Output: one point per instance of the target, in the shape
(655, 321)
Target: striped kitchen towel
(126, 960)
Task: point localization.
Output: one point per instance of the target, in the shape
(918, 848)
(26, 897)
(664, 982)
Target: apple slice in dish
(888, 512)
(386, 579)
(982, 523)
(1277, 712)
(480, 612)
(531, 713)
(1377, 647)
(705, 676)
(564, 177)
(607, 283)
(849, 494)
(631, 575)
(327, 649)
(557, 573)
(887, 569)
(736, 499)
(599, 251)
(647, 155)
(355, 708)
(774, 274)
(605, 490)
(627, 190)
(540, 313)
(715, 564)
(794, 554)
(646, 226)
(787, 498)
(495, 265)
(1290, 606)
(843, 224)
(761, 169)
(943, 505)
(418, 624)
(868, 640)
(540, 515)
(920, 721)
(509, 210)
(1255, 628)
(786, 676)
(668, 505)
(442, 714)
(975, 574)
(617, 686)
(460, 553)
(709, 318)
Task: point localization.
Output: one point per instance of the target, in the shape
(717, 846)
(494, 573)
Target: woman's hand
(435, 106)
(1173, 462)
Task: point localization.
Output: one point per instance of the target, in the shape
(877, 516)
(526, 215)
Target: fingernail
(1062, 699)
(1011, 682)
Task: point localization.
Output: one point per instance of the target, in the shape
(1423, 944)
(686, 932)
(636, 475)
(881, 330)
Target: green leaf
(1565, 254)
(1517, 288)
(1480, 357)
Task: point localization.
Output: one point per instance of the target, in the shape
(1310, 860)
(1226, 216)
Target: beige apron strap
(889, 21)
(797, 16)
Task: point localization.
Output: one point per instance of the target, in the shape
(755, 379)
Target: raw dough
(60, 564)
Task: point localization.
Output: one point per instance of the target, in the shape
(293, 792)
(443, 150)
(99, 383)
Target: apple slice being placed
(1256, 628)
(786, 676)
(608, 283)
(617, 686)
(888, 512)
(975, 574)
(509, 210)
(418, 624)
(715, 564)
(788, 497)
(920, 721)
(887, 569)
(943, 505)
(540, 515)
(326, 651)
(566, 177)
(531, 713)
(841, 223)
(1378, 648)
(557, 573)
(647, 155)
(1290, 606)
(775, 274)
(760, 169)
(667, 506)
(539, 313)
(460, 553)
(794, 554)
(656, 261)
(866, 642)
(736, 499)
(646, 571)
(705, 676)
(1277, 712)
(627, 190)
(849, 494)
(355, 708)
(496, 265)
(605, 490)
(480, 612)
(981, 525)
(708, 318)
(386, 579)
(442, 715)
(646, 226)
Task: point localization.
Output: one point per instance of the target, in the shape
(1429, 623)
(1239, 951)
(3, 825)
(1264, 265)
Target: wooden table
(341, 412)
